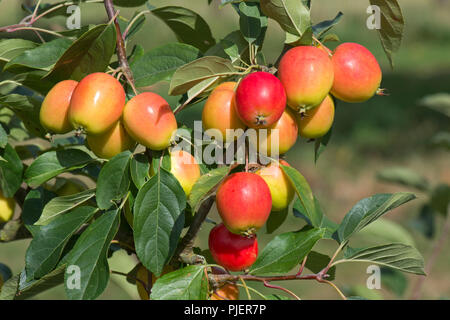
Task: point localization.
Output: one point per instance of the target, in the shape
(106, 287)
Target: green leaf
(205, 184)
(368, 210)
(34, 204)
(135, 27)
(404, 176)
(252, 22)
(42, 57)
(129, 3)
(91, 53)
(394, 280)
(139, 170)
(9, 289)
(30, 287)
(286, 251)
(196, 71)
(394, 255)
(320, 144)
(189, 283)
(158, 220)
(440, 198)
(387, 231)
(275, 220)
(11, 169)
(90, 255)
(304, 193)
(392, 25)
(114, 180)
(59, 205)
(233, 46)
(53, 163)
(11, 48)
(439, 102)
(188, 26)
(324, 26)
(316, 262)
(160, 64)
(425, 222)
(47, 245)
(292, 15)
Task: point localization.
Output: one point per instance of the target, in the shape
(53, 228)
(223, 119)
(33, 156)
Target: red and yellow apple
(111, 142)
(316, 122)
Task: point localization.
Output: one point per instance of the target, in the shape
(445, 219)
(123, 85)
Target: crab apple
(228, 291)
(185, 168)
(357, 74)
(285, 139)
(97, 103)
(260, 99)
(244, 202)
(110, 143)
(316, 122)
(6, 208)
(280, 187)
(149, 120)
(54, 113)
(306, 73)
(232, 251)
(219, 111)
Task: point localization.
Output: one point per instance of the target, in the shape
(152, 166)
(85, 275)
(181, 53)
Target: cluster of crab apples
(296, 102)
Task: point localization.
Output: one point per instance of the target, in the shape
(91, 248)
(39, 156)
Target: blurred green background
(392, 131)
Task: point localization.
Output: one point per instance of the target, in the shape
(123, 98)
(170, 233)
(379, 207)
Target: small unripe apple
(231, 251)
(149, 120)
(185, 168)
(316, 122)
(219, 111)
(306, 73)
(357, 74)
(280, 187)
(111, 142)
(97, 103)
(260, 99)
(283, 133)
(7, 206)
(244, 202)
(54, 113)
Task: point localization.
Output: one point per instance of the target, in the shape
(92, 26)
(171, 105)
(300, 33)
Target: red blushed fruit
(306, 73)
(149, 120)
(244, 202)
(232, 251)
(357, 74)
(54, 113)
(110, 143)
(260, 99)
(316, 122)
(97, 103)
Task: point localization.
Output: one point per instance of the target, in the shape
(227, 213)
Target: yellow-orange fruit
(149, 120)
(316, 122)
(54, 113)
(220, 113)
(97, 103)
(6, 208)
(227, 292)
(280, 187)
(185, 168)
(287, 130)
(110, 143)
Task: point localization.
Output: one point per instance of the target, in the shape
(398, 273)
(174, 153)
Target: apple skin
(316, 122)
(219, 111)
(97, 103)
(244, 202)
(287, 135)
(7, 206)
(54, 113)
(149, 120)
(306, 73)
(111, 142)
(280, 187)
(185, 168)
(357, 74)
(260, 99)
(231, 251)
